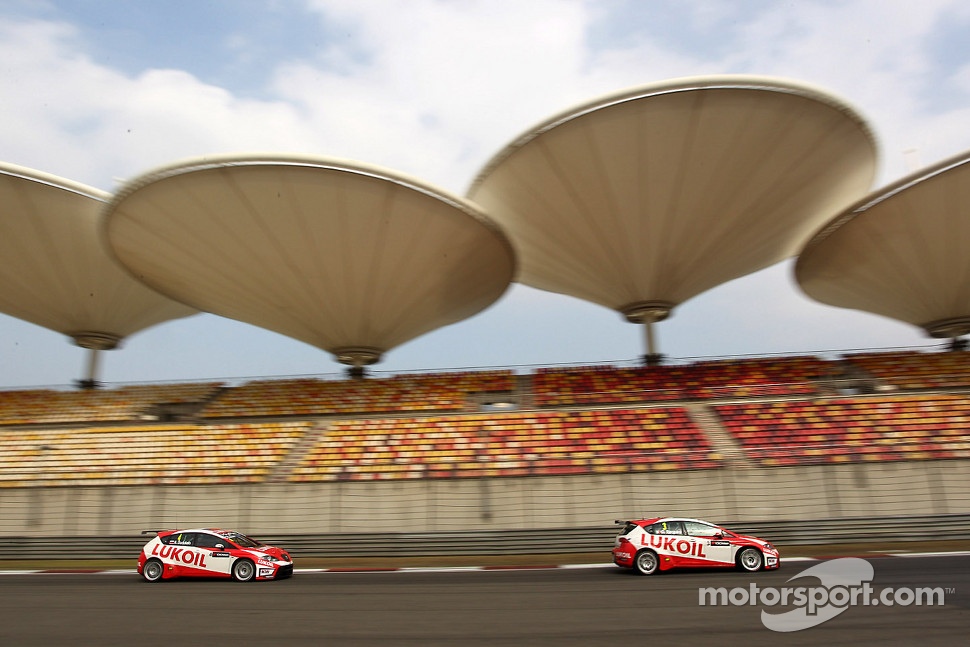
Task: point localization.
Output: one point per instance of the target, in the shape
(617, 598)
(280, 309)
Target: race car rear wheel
(646, 562)
(750, 559)
(243, 571)
(152, 570)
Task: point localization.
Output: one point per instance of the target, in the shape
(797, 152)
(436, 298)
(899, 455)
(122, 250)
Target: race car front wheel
(152, 570)
(646, 562)
(243, 570)
(750, 559)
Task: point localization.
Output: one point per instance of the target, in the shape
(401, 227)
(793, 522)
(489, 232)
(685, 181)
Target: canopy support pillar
(95, 342)
(357, 357)
(649, 313)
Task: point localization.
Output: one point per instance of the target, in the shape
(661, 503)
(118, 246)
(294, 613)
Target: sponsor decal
(674, 545)
(185, 556)
(221, 555)
(720, 543)
(265, 572)
(177, 540)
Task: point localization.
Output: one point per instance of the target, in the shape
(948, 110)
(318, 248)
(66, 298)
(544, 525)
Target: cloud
(877, 56)
(435, 88)
(67, 115)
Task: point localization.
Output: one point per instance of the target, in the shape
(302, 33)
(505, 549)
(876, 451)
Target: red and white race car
(210, 552)
(663, 543)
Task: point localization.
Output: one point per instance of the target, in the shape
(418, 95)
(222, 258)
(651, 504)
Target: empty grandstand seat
(513, 444)
(861, 429)
(146, 454)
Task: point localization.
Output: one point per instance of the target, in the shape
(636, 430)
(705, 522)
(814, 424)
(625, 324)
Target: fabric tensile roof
(56, 273)
(902, 252)
(643, 199)
(350, 258)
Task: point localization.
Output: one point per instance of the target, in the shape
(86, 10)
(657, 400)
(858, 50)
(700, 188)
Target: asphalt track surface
(563, 607)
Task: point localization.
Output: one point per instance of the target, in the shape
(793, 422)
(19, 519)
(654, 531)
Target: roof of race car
(656, 519)
(218, 531)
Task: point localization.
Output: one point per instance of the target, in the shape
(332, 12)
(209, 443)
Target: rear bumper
(624, 556)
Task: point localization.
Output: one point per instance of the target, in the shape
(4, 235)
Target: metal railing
(513, 542)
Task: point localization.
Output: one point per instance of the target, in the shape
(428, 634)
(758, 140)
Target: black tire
(646, 562)
(243, 570)
(152, 571)
(750, 560)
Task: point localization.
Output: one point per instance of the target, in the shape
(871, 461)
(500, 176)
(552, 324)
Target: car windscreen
(627, 528)
(242, 540)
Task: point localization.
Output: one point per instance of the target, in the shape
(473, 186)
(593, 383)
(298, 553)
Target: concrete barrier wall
(758, 494)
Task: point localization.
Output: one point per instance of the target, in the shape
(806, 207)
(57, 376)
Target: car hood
(756, 540)
(273, 551)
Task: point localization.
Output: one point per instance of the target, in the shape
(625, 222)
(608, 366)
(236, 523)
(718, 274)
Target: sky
(100, 91)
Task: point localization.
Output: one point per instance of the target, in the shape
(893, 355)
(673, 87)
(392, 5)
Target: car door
(671, 544)
(714, 546)
(180, 556)
(218, 551)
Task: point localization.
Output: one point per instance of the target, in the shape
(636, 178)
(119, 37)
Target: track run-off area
(586, 605)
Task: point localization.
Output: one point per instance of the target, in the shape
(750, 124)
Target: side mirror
(718, 535)
(219, 546)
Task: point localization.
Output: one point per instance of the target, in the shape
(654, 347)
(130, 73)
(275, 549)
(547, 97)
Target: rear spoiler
(154, 532)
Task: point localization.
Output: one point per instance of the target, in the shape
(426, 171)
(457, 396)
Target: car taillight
(624, 540)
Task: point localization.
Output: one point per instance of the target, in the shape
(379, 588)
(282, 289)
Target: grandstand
(701, 380)
(41, 406)
(841, 430)
(494, 448)
(146, 454)
(516, 444)
(604, 419)
(404, 393)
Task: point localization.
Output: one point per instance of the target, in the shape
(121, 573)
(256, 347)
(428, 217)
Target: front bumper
(274, 572)
(284, 572)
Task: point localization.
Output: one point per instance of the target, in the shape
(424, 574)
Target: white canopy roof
(55, 273)
(350, 258)
(902, 252)
(645, 198)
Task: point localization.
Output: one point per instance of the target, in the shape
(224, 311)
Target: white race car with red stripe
(211, 552)
(663, 543)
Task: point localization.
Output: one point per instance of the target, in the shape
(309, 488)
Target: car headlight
(270, 558)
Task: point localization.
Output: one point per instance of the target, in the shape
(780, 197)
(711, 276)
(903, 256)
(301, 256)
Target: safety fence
(380, 543)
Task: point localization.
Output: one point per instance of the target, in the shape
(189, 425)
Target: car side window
(697, 529)
(206, 540)
(180, 539)
(666, 528)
